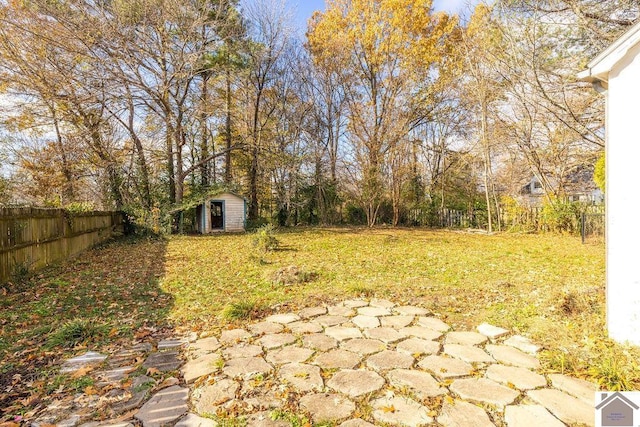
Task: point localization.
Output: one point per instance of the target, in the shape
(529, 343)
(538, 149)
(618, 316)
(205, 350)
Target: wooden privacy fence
(31, 238)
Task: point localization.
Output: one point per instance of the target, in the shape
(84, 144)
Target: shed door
(217, 215)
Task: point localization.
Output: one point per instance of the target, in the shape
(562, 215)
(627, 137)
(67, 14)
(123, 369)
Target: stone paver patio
(356, 363)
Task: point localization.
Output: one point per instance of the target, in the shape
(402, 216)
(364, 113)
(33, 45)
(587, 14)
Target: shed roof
(213, 196)
(599, 67)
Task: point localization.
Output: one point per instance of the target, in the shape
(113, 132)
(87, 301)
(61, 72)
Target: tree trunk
(171, 175)
(141, 159)
(487, 160)
(68, 192)
(204, 134)
(228, 171)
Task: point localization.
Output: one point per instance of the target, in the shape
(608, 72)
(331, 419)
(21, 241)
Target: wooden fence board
(34, 238)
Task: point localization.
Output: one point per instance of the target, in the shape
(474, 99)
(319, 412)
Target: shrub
(562, 216)
(264, 239)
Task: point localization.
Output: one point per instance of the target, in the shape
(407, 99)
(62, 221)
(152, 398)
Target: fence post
(583, 226)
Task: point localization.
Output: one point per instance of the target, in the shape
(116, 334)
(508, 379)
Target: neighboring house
(225, 212)
(578, 187)
(615, 72)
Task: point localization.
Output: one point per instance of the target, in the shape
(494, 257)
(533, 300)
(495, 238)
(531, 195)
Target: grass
(546, 286)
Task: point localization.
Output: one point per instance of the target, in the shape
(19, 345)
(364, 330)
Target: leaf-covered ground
(548, 287)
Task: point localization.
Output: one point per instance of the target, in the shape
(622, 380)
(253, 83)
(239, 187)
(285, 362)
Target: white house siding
(623, 203)
(234, 212)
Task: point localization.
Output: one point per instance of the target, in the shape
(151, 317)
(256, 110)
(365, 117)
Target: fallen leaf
(82, 372)
(90, 391)
(152, 371)
(389, 408)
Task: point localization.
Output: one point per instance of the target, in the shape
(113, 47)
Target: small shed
(615, 72)
(224, 212)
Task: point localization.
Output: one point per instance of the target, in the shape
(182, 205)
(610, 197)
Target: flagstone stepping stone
(522, 343)
(337, 359)
(400, 411)
(529, 415)
(421, 332)
(289, 355)
(356, 423)
(433, 323)
(464, 414)
(341, 333)
(115, 375)
(106, 424)
(374, 311)
(364, 346)
(304, 327)
(129, 356)
(356, 383)
(328, 320)
(163, 361)
(389, 359)
(71, 421)
(382, 303)
(445, 367)
(319, 342)
(410, 310)
(355, 303)
(283, 318)
(366, 321)
(260, 399)
(193, 420)
(205, 365)
(512, 356)
(266, 328)
(325, 407)
(263, 419)
(467, 353)
(483, 390)
(581, 389)
(242, 350)
(340, 310)
(465, 338)
(139, 389)
(209, 398)
(491, 331)
(307, 313)
(521, 378)
(204, 346)
(386, 335)
(419, 382)
(246, 367)
(396, 321)
(418, 346)
(231, 336)
(164, 407)
(565, 407)
(276, 340)
(172, 343)
(302, 377)
(90, 358)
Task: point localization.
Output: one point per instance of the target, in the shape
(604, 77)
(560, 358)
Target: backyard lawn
(548, 287)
